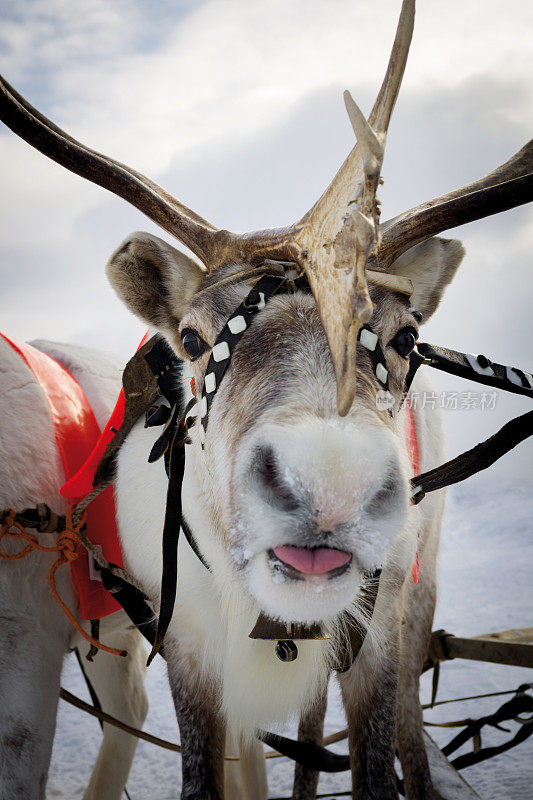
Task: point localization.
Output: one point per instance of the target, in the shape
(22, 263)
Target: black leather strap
(515, 709)
(133, 601)
(164, 365)
(477, 368)
(216, 368)
(310, 755)
(376, 355)
(171, 530)
(481, 370)
(192, 542)
(350, 651)
(416, 360)
(475, 460)
(40, 517)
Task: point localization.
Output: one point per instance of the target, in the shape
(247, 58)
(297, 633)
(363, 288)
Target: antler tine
(388, 94)
(508, 186)
(187, 226)
(332, 242)
(340, 232)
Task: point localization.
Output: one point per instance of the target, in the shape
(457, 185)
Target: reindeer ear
(431, 266)
(153, 279)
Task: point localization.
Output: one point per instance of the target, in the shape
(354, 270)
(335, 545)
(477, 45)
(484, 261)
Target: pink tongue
(311, 562)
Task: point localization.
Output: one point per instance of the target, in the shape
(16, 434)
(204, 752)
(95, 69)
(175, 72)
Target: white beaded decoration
(368, 339)
(210, 382)
(381, 374)
(220, 351)
(237, 324)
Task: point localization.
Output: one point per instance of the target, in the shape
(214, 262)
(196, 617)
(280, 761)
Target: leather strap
(140, 391)
(475, 460)
(477, 368)
(40, 517)
(308, 754)
(230, 336)
(133, 601)
(192, 542)
(514, 709)
(481, 370)
(171, 531)
(349, 652)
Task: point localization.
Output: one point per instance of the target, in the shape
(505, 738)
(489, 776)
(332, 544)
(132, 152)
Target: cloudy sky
(235, 106)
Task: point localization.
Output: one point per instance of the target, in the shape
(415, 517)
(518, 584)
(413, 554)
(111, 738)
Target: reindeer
(296, 481)
(34, 632)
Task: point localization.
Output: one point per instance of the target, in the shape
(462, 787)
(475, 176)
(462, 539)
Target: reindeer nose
(272, 480)
(328, 475)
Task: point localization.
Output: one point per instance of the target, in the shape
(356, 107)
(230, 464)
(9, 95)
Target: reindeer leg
(202, 729)
(415, 633)
(369, 691)
(119, 686)
(310, 729)
(233, 784)
(245, 779)
(31, 657)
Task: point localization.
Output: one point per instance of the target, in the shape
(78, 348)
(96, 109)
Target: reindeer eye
(405, 341)
(193, 343)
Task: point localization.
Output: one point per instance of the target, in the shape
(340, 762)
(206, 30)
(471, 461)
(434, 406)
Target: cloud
(167, 83)
(236, 108)
(230, 68)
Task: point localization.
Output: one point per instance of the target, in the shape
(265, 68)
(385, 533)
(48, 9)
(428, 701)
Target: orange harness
(412, 449)
(81, 446)
(76, 432)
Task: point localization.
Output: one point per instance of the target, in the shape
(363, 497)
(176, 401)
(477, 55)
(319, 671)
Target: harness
(171, 444)
(76, 431)
(155, 368)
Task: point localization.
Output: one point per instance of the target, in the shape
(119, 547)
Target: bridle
(162, 361)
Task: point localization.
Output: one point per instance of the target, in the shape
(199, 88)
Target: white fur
(340, 462)
(216, 611)
(34, 632)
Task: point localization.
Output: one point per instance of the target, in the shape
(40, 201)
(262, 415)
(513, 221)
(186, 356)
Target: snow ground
(485, 585)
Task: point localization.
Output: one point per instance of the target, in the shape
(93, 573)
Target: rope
(78, 511)
(470, 697)
(103, 716)
(67, 549)
(331, 795)
(332, 738)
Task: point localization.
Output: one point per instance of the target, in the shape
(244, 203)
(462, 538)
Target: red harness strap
(80, 483)
(76, 432)
(410, 437)
(412, 449)
(81, 447)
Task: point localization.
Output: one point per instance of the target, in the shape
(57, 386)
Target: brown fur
(202, 730)
(310, 729)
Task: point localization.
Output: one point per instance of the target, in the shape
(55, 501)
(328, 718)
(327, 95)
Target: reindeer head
(306, 472)
(308, 503)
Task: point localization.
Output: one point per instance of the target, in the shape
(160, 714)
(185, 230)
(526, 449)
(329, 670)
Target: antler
(507, 186)
(331, 243)
(342, 227)
(191, 229)
(334, 241)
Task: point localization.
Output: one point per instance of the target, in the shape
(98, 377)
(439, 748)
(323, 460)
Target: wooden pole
(513, 647)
